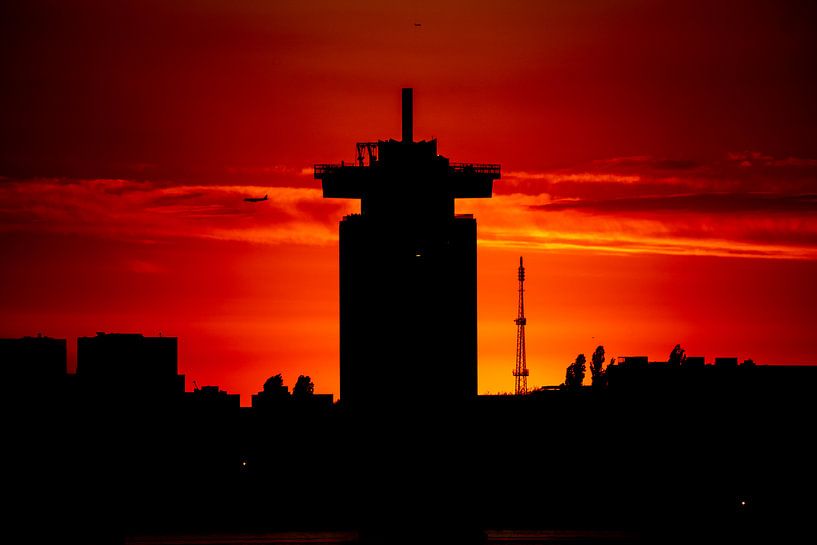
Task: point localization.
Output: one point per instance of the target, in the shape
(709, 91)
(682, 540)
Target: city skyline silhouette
(158, 460)
(220, 320)
(657, 452)
(652, 207)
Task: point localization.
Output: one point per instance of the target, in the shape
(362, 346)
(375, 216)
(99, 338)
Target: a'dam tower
(408, 271)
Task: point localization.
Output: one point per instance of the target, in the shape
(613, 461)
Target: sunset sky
(659, 173)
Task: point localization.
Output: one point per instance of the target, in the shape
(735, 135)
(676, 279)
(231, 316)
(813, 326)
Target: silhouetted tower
(408, 290)
(520, 372)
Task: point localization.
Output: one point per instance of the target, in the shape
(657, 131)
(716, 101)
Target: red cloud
(144, 210)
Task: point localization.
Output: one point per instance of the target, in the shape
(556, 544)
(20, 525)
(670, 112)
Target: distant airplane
(257, 199)
(418, 24)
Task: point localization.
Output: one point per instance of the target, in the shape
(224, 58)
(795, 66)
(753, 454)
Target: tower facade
(520, 370)
(408, 270)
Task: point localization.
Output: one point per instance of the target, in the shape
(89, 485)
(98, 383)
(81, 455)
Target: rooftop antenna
(521, 372)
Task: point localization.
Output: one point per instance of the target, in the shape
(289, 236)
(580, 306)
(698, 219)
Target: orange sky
(659, 173)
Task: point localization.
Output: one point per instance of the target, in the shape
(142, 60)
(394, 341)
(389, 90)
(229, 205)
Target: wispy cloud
(583, 177)
(641, 175)
(644, 205)
(144, 210)
(746, 204)
(711, 203)
(679, 225)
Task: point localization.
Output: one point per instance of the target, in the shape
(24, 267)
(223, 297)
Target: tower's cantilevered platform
(408, 271)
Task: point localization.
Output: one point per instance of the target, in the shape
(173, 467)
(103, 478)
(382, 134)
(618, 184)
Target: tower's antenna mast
(521, 372)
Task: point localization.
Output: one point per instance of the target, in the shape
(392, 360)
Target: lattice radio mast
(521, 372)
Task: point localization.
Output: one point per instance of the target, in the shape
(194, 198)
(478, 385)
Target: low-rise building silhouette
(213, 399)
(33, 362)
(636, 377)
(129, 365)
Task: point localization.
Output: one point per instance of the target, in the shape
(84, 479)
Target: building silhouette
(213, 398)
(693, 381)
(408, 271)
(34, 362)
(129, 365)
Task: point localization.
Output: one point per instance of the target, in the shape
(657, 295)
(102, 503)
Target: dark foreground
(688, 464)
(527, 537)
(491, 537)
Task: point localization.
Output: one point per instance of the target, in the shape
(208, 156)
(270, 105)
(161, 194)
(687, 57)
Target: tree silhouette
(304, 387)
(598, 373)
(274, 387)
(575, 373)
(677, 356)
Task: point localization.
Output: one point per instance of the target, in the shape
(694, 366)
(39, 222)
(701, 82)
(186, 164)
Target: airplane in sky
(257, 199)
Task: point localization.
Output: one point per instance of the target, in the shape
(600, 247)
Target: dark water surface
(527, 537)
